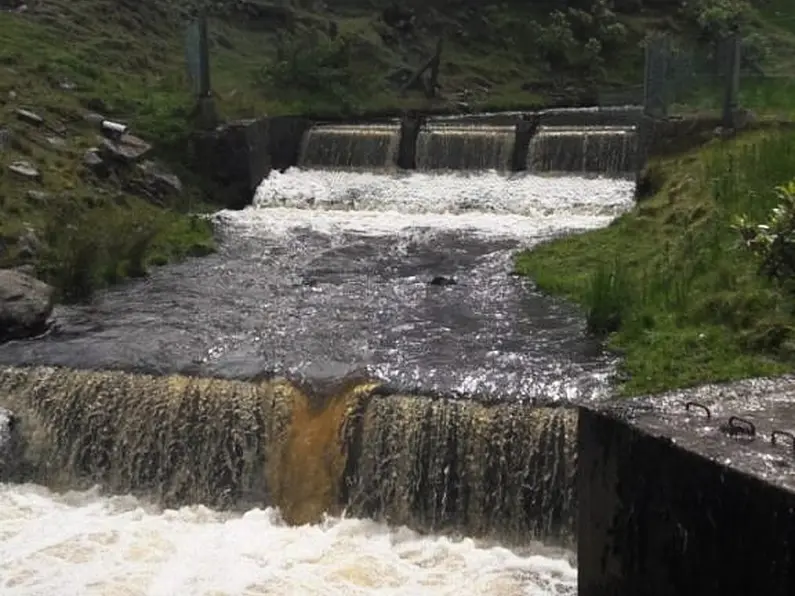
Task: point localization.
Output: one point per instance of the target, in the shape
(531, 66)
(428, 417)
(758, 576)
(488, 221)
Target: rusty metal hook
(783, 433)
(739, 426)
(695, 404)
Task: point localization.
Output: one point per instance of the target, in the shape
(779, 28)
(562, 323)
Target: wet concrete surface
(747, 425)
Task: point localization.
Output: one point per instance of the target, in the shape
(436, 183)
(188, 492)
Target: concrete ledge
(670, 505)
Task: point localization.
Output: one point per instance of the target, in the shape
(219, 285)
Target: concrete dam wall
(661, 496)
(600, 141)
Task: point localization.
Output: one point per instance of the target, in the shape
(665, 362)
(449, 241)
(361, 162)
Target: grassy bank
(671, 283)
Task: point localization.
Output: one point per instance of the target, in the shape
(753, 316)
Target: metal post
(732, 74)
(655, 78)
(204, 57)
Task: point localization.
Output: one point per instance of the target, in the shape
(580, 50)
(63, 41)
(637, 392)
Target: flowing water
(465, 147)
(326, 275)
(603, 149)
(350, 146)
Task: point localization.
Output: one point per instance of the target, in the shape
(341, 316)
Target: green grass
(681, 300)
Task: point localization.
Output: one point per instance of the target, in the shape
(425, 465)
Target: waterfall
(607, 150)
(465, 147)
(366, 147)
(498, 470)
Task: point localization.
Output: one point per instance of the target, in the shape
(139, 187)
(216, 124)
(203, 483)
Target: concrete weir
(689, 494)
(240, 155)
(685, 493)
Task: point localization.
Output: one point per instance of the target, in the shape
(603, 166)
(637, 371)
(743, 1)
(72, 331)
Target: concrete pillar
(526, 128)
(410, 125)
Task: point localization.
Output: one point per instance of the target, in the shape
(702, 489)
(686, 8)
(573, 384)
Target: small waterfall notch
(435, 464)
(465, 147)
(609, 150)
(350, 146)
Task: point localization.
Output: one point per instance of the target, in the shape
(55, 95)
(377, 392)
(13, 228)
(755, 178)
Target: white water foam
(86, 544)
(518, 206)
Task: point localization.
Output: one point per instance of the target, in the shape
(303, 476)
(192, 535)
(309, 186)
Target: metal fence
(716, 77)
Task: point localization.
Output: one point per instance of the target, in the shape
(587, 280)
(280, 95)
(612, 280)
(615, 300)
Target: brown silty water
(465, 147)
(502, 470)
(350, 146)
(610, 150)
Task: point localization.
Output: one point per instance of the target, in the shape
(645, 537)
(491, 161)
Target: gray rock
(128, 149)
(10, 445)
(38, 196)
(94, 118)
(26, 270)
(25, 305)
(160, 181)
(56, 141)
(25, 169)
(29, 117)
(5, 139)
(94, 162)
(28, 245)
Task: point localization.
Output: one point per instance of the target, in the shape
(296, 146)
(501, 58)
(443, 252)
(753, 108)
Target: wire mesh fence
(718, 77)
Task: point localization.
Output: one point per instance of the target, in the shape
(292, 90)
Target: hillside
(67, 60)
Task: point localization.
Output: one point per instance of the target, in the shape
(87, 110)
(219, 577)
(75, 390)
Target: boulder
(25, 305)
(93, 162)
(159, 180)
(29, 117)
(128, 149)
(25, 169)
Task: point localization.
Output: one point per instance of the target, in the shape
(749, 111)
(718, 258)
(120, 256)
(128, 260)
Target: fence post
(198, 59)
(732, 81)
(654, 78)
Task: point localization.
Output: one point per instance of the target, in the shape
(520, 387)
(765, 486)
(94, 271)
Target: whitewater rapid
(84, 544)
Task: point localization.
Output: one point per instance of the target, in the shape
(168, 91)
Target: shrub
(581, 38)
(774, 240)
(321, 72)
(94, 249)
(715, 19)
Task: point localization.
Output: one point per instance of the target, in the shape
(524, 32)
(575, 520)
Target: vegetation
(125, 59)
(687, 286)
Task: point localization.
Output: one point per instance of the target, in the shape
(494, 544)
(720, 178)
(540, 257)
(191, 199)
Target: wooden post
(732, 81)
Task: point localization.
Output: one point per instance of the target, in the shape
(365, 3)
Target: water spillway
(350, 146)
(608, 150)
(307, 405)
(436, 464)
(465, 147)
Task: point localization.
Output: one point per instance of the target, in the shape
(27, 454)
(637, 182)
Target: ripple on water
(83, 543)
(328, 272)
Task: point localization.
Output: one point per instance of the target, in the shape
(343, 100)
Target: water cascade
(465, 147)
(350, 146)
(607, 150)
(221, 473)
(502, 470)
